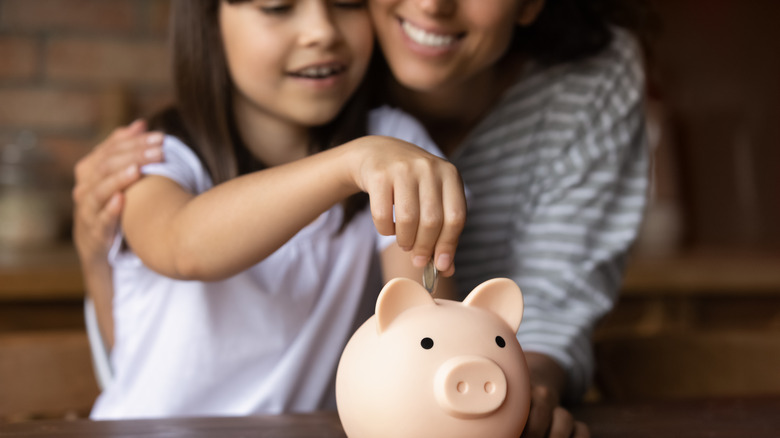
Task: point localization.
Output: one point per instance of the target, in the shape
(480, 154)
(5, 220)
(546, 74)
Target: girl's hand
(101, 176)
(548, 418)
(423, 192)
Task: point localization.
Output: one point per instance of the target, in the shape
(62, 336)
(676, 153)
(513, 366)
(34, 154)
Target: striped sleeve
(559, 178)
(588, 205)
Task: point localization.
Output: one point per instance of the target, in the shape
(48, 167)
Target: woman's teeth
(424, 38)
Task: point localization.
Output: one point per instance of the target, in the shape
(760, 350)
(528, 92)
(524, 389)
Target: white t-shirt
(267, 340)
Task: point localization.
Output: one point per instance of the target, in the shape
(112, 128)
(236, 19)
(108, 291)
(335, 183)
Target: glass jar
(31, 194)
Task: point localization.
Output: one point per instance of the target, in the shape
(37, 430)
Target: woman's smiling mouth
(425, 38)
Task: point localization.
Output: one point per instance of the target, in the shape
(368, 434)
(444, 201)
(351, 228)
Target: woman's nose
(437, 8)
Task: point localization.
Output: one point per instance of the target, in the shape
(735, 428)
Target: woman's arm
(238, 223)
(100, 178)
(587, 211)
(547, 417)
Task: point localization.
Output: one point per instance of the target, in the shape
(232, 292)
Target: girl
(240, 268)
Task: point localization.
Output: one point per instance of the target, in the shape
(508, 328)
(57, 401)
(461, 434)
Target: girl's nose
(438, 8)
(318, 27)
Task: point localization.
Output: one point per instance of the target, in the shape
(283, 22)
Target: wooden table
(714, 418)
(755, 417)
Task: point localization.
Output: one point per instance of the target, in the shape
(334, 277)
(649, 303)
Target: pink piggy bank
(427, 368)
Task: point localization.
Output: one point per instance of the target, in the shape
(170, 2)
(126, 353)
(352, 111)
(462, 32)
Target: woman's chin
(420, 79)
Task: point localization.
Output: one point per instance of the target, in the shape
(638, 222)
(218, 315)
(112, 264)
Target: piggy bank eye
(426, 343)
(500, 341)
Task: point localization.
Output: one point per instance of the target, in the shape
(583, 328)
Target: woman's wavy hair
(202, 113)
(568, 30)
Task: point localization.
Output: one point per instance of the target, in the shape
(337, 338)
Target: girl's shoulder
(182, 165)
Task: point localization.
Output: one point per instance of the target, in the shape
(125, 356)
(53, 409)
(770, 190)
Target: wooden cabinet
(693, 325)
(45, 363)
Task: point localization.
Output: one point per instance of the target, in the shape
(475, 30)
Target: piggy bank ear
(501, 296)
(399, 295)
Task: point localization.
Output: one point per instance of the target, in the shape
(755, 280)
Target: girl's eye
(276, 10)
(346, 4)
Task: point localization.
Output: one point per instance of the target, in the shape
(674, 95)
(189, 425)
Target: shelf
(53, 273)
(50, 273)
(704, 273)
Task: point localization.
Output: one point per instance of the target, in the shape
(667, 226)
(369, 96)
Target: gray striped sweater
(558, 175)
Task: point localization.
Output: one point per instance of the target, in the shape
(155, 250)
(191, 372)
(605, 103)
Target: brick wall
(71, 70)
(718, 65)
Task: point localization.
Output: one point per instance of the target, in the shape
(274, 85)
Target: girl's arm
(236, 224)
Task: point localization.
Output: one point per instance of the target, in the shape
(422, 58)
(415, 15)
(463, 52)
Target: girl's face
(439, 43)
(295, 61)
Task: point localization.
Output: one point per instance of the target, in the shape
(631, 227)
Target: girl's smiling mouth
(319, 71)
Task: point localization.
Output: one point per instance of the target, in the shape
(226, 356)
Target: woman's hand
(414, 195)
(547, 417)
(101, 176)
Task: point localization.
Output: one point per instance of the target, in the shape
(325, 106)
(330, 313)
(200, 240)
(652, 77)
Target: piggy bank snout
(469, 386)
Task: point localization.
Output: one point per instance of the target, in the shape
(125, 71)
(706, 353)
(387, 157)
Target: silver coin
(430, 276)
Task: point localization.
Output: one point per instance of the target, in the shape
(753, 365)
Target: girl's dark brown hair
(202, 115)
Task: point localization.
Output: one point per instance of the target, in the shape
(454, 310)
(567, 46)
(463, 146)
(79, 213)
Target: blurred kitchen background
(699, 314)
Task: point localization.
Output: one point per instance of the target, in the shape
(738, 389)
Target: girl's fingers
(430, 221)
(414, 195)
(406, 200)
(381, 203)
(454, 211)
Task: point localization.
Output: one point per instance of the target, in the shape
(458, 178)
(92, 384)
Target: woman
(539, 105)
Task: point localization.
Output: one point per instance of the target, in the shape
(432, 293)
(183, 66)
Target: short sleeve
(179, 164)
